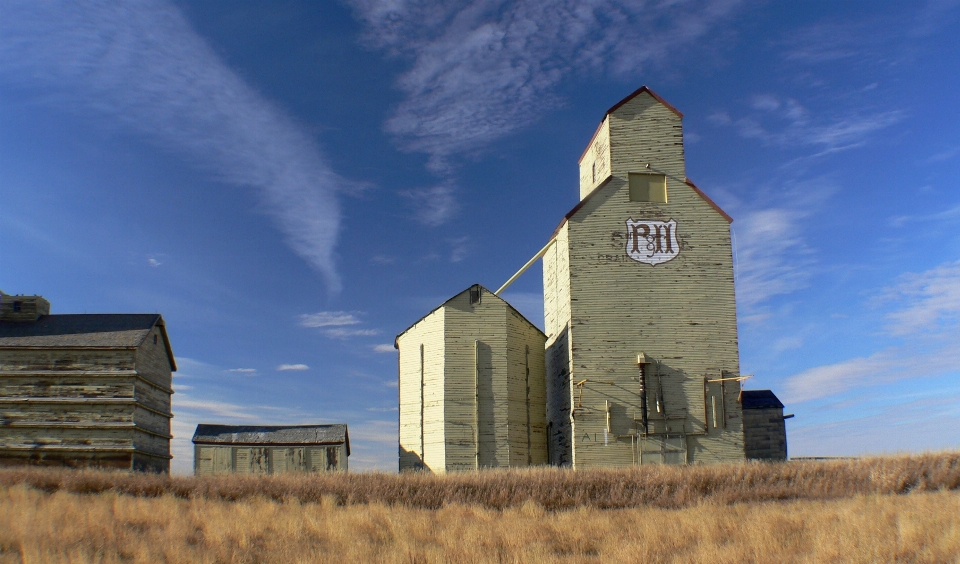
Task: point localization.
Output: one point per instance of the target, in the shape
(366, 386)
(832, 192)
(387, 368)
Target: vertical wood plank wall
(476, 393)
(556, 307)
(267, 459)
(428, 333)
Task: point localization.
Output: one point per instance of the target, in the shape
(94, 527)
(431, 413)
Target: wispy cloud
(246, 371)
(929, 302)
(346, 333)
(338, 320)
(944, 155)
(485, 69)
(328, 319)
(384, 348)
(296, 367)
(949, 214)
(459, 247)
(143, 67)
(771, 253)
(927, 318)
(434, 205)
(787, 123)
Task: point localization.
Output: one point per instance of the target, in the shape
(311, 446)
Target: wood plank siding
(603, 308)
(472, 387)
(86, 391)
(270, 449)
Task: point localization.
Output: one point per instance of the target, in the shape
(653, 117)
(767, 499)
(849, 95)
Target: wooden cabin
(764, 427)
(472, 393)
(84, 389)
(270, 449)
(642, 359)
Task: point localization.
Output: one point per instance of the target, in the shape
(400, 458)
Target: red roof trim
(583, 202)
(579, 205)
(592, 139)
(617, 106)
(708, 200)
(638, 92)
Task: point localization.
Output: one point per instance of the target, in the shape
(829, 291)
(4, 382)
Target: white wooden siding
(681, 313)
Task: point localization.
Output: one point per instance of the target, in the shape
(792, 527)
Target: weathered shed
(764, 429)
(84, 389)
(270, 449)
(472, 393)
(642, 357)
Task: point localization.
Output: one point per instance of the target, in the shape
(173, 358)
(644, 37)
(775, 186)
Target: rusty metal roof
(272, 434)
(760, 399)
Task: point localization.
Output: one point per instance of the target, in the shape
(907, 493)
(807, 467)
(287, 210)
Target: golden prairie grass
(39, 527)
(899, 509)
(550, 488)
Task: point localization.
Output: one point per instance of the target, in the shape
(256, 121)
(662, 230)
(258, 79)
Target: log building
(83, 390)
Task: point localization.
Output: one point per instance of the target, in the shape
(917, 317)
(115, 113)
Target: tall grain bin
(642, 357)
(472, 392)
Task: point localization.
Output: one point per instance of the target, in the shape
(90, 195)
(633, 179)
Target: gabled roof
(638, 92)
(273, 434)
(596, 190)
(455, 296)
(93, 330)
(617, 106)
(759, 399)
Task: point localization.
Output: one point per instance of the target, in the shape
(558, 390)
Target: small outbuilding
(764, 430)
(270, 449)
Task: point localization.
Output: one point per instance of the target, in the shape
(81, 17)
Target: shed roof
(84, 330)
(759, 399)
(272, 434)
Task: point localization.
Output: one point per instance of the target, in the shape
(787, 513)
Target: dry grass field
(903, 509)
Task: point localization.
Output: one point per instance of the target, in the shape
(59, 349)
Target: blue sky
(291, 184)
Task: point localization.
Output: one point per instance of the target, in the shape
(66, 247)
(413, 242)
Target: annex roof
(759, 399)
(84, 330)
(332, 434)
(455, 296)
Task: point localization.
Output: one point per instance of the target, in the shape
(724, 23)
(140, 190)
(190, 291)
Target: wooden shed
(472, 393)
(85, 389)
(270, 449)
(642, 357)
(764, 427)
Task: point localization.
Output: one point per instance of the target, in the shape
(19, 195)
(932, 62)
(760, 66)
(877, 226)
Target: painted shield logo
(652, 242)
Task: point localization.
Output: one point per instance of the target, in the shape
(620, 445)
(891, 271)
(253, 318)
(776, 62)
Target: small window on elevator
(648, 187)
(475, 295)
